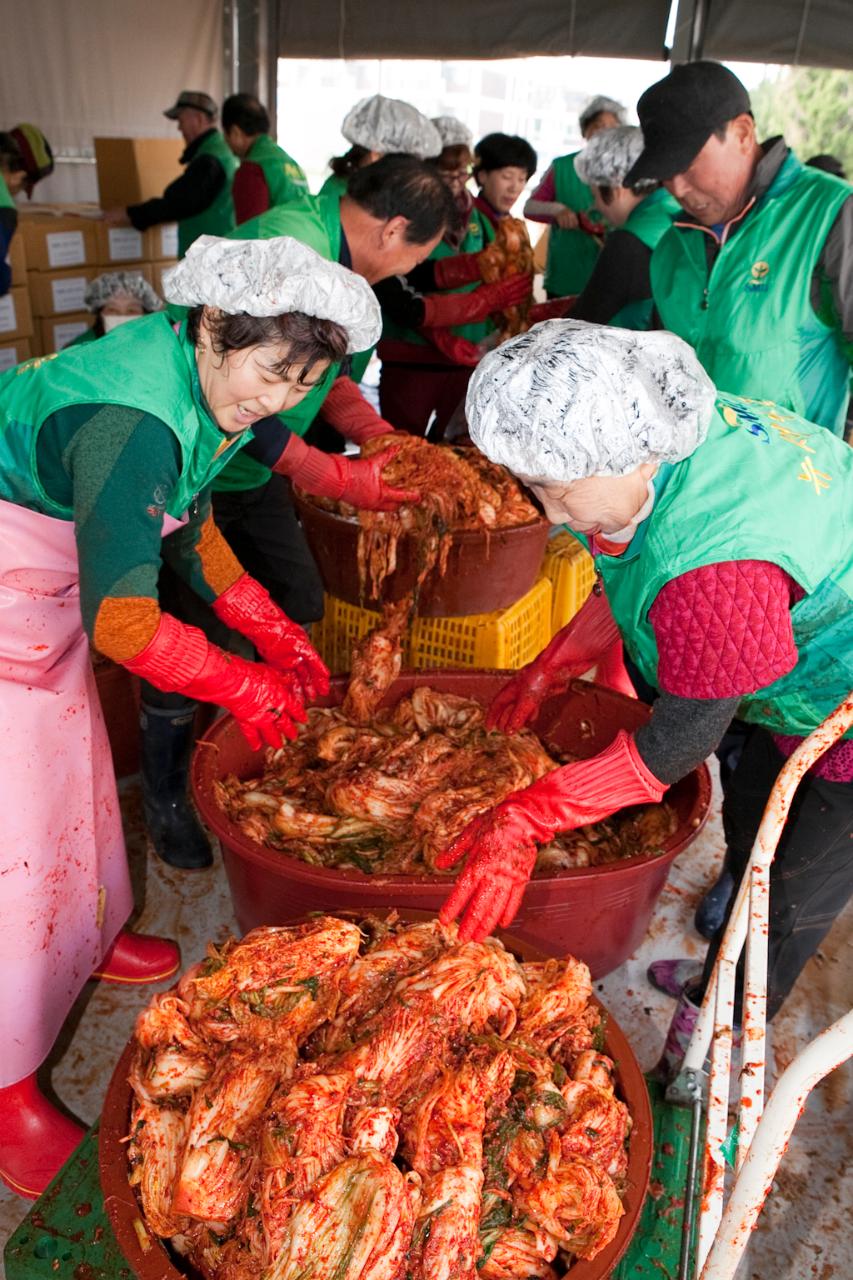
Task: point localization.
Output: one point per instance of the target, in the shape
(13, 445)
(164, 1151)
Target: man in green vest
(725, 609)
(563, 200)
(200, 200)
(757, 274)
(267, 176)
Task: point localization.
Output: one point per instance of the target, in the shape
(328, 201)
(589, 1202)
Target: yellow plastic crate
(506, 639)
(570, 570)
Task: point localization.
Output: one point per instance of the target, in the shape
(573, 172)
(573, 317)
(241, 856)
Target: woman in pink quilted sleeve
(725, 564)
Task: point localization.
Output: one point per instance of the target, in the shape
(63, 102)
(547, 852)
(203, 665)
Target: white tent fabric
(108, 68)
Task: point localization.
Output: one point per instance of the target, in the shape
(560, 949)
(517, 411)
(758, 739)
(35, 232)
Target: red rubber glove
(346, 409)
(502, 844)
(331, 475)
(458, 350)
(573, 651)
(180, 659)
(553, 309)
(457, 270)
(444, 309)
(248, 608)
(594, 229)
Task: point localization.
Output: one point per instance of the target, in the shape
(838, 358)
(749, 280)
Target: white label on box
(69, 295)
(125, 244)
(8, 358)
(65, 248)
(65, 333)
(169, 241)
(8, 316)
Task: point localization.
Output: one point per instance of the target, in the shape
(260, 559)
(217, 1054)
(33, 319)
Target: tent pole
(697, 29)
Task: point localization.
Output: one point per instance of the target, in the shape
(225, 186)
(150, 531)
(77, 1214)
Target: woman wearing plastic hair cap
(107, 453)
(719, 527)
(619, 291)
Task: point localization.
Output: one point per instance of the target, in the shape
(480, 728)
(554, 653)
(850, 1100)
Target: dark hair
(399, 186)
(247, 112)
(457, 155)
(10, 154)
(343, 166)
(502, 150)
(307, 338)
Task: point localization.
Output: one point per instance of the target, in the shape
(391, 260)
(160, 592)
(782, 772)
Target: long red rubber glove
(444, 309)
(357, 481)
(502, 844)
(346, 409)
(573, 651)
(248, 608)
(180, 659)
(456, 270)
(553, 309)
(459, 350)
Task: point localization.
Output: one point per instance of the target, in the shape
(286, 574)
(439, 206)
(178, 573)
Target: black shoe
(166, 743)
(711, 912)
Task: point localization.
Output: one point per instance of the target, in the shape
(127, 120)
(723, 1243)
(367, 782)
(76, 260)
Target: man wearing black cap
(200, 200)
(758, 274)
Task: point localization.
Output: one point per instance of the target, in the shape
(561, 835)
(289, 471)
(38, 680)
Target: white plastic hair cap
(567, 400)
(609, 155)
(453, 132)
(391, 125)
(596, 105)
(271, 278)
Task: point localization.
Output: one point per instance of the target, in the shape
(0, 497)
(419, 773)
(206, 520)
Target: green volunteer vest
(144, 365)
(765, 485)
(479, 233)
(285, 179)
(315, 221)
(648, 221)
(333, 186)
(571, 254)
(88, 335)
(751, 321)
(218, 218)
(6, 201)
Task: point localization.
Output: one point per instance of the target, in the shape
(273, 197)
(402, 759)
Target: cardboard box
(134, 169)
(157, 269)
(118, 246)
(12, 353)
(164, 241)
(16, 317)
(54, 242)
(17, 259)
(57, 332)
(58, 293)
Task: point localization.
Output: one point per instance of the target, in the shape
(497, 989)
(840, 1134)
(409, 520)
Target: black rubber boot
(711, 912)
(166, 743)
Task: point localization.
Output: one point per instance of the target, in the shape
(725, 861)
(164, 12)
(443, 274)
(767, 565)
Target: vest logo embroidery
(776, 419)
(758, 281)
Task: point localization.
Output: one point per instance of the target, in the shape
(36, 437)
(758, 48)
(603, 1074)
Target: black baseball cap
(679, 114)
(191, 98)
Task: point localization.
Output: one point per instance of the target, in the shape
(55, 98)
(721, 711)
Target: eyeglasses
(455, 175)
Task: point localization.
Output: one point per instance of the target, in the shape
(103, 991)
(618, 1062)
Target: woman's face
(621, 206)
(502, 187)
(454, 179)
(598, 504)
(604, 120)
(123, 304)
(241, 387)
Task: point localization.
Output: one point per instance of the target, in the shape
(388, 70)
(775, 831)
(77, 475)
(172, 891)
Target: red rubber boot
(139, 958)
(35, 1138)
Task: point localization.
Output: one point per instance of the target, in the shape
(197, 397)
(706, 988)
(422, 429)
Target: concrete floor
(804, 1231)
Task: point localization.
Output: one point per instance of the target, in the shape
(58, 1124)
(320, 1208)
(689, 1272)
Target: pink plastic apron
(64, 884)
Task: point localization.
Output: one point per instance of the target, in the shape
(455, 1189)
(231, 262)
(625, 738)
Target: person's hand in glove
(573, 651)
(248, 608)
(357, 481)
(441, 310)
(501, 844)
(180, 659)
(458, 350)
(553, 309)
(346, 409)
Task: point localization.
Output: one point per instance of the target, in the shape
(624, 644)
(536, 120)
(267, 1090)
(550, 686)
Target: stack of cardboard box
(58, 249)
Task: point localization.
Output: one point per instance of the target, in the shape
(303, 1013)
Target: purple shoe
(677, 1038)
(672, 976)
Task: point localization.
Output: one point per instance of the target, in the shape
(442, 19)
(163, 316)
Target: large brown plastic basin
(599, 914)
(484, 571)
(150, 1260)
